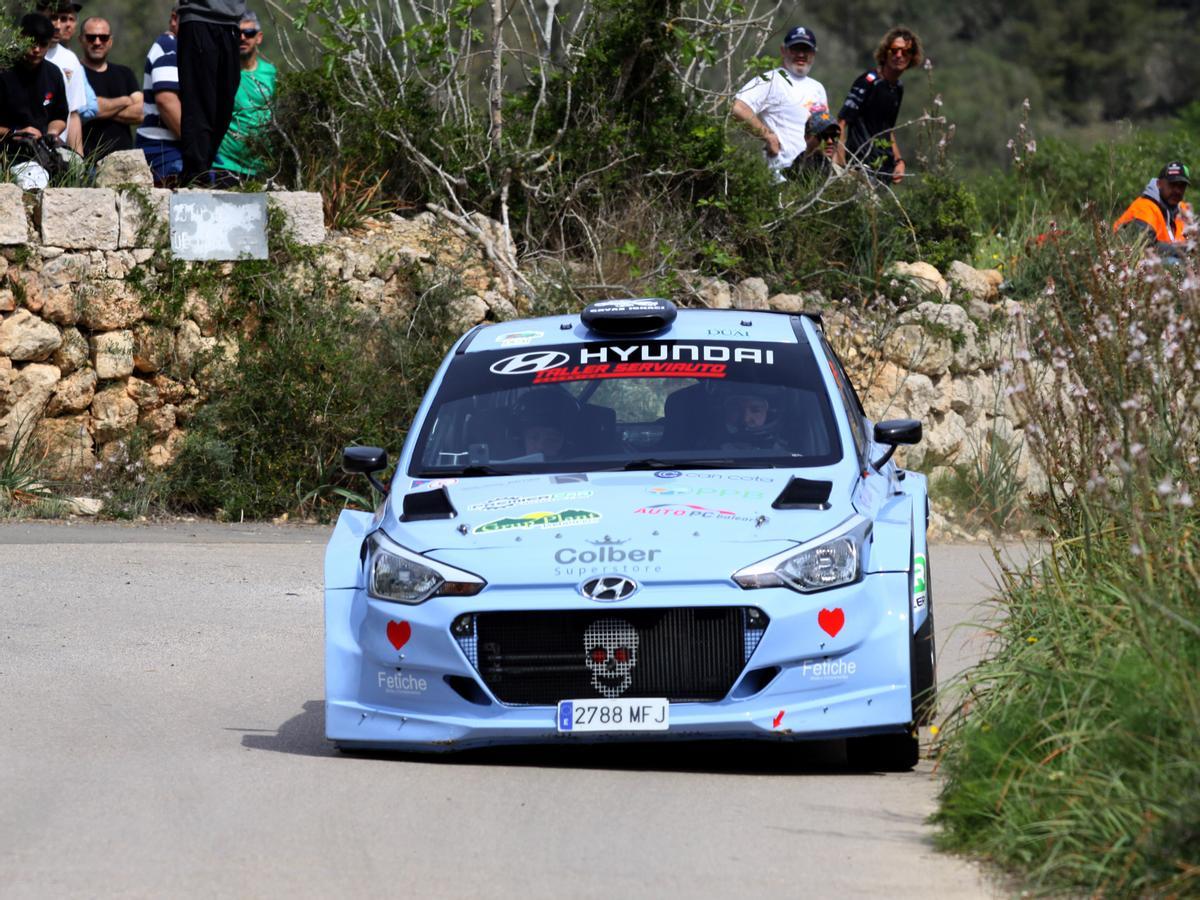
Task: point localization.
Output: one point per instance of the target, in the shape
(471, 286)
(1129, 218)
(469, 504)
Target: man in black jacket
(33, 105)
(209, 74)
(872, 106)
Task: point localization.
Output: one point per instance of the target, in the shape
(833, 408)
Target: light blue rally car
(641, 523)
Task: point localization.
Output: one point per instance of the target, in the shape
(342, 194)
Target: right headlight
(831, 560)
(397, 574)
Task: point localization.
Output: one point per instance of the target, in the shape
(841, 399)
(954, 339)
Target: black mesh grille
(539, 658)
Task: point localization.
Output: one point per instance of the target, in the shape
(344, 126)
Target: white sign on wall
(212, 225)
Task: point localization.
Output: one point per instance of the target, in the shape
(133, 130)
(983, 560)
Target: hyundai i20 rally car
(635, 523)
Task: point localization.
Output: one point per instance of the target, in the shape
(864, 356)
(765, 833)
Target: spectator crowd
(203, 97)
(788, 110)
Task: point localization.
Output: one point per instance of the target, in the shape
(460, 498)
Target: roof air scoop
(645, 315)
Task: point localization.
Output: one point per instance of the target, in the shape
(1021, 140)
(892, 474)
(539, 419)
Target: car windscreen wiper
(474, 471)
(653, 463)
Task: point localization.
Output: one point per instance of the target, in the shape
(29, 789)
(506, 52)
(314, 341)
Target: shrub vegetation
(1075, 752)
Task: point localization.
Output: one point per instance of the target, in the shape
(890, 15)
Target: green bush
(320, 374)
(945, 220)
(1074, 753)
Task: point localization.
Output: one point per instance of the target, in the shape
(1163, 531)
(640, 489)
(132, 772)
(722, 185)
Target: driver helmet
(545, 418)
(750, 411)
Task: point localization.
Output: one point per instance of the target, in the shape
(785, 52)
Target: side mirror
(366, 461)
(894, 432)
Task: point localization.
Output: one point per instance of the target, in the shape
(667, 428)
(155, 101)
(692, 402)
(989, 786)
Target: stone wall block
(61, 304)
(112, 354)
(787, 303)
(73, 353)
(169, 390)
(304, 215)
(108, 305)
(143, 393)
(124, 167)
(946, 436)
(118, 264)
(68, 446)
(8, 302)
(65, 269)
(114, 413)
(158, 422)
(163, 454)
(971, 282)
(14, 225)
(28, 392)
(913, 347)
(152, 347)
(197, 308)
(502, 308)
(751, 293)
(73, 394)
(923, 278)
(83, 218)
(716, 294)
(464, 312)
(27, 287)
(188, 343)
(143, 216)
(25, 337)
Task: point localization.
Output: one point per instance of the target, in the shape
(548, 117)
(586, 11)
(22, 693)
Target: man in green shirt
(251, 109)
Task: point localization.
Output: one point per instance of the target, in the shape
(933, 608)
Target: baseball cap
(819, 122)
(1176, 171)
(800, 36)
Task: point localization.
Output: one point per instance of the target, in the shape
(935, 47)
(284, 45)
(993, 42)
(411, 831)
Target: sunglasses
(97, 38)
(900, 51)
(249, 32)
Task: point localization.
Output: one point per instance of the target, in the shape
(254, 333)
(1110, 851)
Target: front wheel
(883, 752)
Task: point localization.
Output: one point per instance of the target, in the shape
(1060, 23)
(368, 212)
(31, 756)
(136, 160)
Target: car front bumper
(831, 664)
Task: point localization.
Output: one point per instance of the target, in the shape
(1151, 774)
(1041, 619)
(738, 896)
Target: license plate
(639, 714)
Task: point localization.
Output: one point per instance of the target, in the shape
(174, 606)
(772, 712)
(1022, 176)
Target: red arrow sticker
(779, 718)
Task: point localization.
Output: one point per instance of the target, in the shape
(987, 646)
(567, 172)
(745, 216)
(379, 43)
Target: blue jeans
(164, 157)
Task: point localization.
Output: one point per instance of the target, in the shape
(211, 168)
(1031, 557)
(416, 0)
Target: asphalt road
(161, 736)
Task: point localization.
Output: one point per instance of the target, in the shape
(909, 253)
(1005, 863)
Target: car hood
(657, 526)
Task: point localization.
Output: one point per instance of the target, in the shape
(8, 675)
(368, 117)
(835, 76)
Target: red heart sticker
(399, 633)
(831, 620)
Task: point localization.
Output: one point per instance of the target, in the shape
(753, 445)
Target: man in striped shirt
(158, 137)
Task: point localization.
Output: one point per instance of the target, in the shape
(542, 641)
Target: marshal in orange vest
(1146, 210)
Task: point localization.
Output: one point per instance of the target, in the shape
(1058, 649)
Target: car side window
(854, 408)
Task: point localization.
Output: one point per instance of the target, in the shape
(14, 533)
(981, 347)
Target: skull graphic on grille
(611, 646)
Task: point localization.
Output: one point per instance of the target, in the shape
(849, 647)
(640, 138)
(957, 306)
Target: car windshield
(633, 404)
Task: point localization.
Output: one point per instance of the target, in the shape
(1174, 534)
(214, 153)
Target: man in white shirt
(776, 105)
(64, 14)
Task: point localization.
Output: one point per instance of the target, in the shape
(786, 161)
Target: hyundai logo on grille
(608, 588)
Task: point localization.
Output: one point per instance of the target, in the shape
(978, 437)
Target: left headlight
(399, 575)
(831, 560)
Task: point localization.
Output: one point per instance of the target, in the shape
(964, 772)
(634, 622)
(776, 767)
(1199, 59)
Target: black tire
(882, 753)
(922, 663)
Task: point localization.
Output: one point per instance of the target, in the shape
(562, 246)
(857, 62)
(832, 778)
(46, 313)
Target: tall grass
(1074, 754)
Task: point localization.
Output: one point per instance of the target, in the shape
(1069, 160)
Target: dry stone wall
(85, 361)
